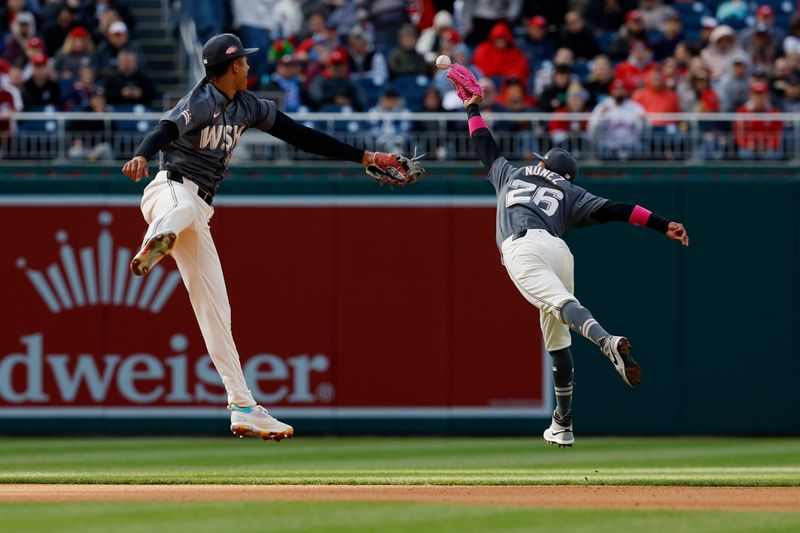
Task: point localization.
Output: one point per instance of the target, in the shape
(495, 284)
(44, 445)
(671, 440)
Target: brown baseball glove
(394, 169)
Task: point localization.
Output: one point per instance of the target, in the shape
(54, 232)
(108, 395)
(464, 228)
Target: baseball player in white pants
(196, 139)
(536, 205)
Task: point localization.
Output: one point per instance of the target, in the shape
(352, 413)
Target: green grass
(445, 461)
(355, 516)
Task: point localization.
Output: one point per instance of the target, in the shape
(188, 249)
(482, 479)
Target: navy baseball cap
(222, 48)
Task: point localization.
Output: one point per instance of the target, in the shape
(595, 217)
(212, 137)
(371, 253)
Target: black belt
(204, 194)
(521, 233)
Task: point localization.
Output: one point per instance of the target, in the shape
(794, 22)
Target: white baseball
(443, 62)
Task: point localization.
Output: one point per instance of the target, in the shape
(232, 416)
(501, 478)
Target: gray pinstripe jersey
(530, 197)
(210, 125)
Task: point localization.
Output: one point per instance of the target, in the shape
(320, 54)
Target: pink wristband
(639, 216)
(476, 123)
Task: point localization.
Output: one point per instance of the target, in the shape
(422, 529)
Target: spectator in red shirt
(758, 138)
(655, 97)
(497, 57)
(633, 70)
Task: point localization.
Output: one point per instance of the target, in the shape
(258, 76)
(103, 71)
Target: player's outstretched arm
(384, 168)
(164, 133)
(485, 145)
(637, 215)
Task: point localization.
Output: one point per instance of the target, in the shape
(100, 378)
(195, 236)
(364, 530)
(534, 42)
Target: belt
(521, 233)
(204, 194)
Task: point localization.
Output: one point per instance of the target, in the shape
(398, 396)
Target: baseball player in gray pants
(196, 139)
(536, 205)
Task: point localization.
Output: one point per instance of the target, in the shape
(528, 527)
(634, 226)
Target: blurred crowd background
(617, 63)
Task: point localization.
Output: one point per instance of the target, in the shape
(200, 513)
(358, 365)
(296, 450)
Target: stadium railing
(689, 137)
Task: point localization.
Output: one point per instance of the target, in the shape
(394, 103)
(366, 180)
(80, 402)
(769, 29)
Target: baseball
(443, 62)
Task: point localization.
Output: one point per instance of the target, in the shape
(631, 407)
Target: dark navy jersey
(209, 126)
(532, 197)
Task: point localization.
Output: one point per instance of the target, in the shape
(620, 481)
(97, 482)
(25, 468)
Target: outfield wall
(361, 309)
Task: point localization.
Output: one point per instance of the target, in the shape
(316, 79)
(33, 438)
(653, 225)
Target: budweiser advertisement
(342, 307)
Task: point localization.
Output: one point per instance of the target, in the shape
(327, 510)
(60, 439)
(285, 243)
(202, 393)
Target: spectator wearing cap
(734, 87)
(554, 95)
(616, 125)
(655, 14)
(117, 38)
(480, 17)
(667, 40)
(33, 47)
(77, 52)
(335, 91)
(791, 95)
(619, 48)
(390, 133)
(55, 32)
(256, 26)
(364, 61)
(577, 36)
(404, 60)
(11, 81)
(633, 71)
(429, 41)
(765, 21)
(733, 13)
(538, 45)
(129, 85)
(23, 28)
(721, 50)
(607, 16)
(599, 80)
(286, 81)
(758, 139)
(499, 58)
(707, 26)
(40, 90)
(571, 134)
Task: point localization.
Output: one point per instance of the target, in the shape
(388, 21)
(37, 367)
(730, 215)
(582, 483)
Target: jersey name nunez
(218, 136)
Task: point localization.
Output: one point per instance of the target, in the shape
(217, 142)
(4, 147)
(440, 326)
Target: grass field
(413, 461)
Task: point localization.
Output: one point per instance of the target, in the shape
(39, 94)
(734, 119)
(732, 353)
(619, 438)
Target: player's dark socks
(580, 320)
(562, 382)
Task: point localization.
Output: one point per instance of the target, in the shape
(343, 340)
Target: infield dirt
(599, 496)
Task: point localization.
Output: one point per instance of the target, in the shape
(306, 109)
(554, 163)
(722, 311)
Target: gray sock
(562, 382)
(580, 320)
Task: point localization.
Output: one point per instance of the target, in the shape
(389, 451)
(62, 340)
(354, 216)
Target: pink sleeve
(639, 216)
(476, 123)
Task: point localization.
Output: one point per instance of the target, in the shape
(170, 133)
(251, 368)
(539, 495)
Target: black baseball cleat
(152, 252)
(618, 351)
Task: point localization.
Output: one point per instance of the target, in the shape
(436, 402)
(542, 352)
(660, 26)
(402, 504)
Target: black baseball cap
(222, 48)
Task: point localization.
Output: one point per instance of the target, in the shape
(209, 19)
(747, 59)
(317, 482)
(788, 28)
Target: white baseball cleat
(156, 249)
(558, 434)
(618, 350)
(255, 421)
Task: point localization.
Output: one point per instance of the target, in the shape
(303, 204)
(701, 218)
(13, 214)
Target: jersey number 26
(545, 198)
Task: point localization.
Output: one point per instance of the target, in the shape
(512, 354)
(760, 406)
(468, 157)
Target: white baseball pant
(541, 267)
(169, 206)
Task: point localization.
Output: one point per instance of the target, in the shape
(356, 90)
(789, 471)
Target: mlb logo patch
(230, 50)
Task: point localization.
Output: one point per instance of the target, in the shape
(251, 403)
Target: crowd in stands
(618, 61)
(72, 55)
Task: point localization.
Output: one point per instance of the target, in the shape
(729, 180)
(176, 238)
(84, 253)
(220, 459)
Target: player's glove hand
(464, 82)
(392, 169)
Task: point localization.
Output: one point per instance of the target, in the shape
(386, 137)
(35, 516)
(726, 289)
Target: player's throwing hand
(677, 232)
(136, 168)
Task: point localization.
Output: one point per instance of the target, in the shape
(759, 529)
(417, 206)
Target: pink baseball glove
(464, 81)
